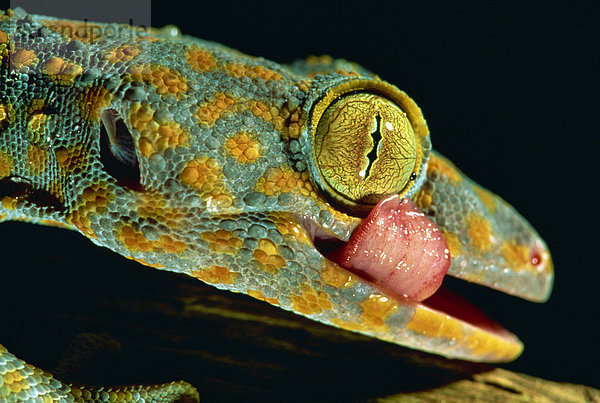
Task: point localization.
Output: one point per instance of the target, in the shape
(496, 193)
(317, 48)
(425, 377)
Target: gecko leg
(20, 381)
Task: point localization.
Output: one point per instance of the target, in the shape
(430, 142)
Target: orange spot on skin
(7, 115)
(285, 180)
(3, 37)
(70, 158)
(423, 199)
(352, 326)
(92, 101)
(243, 147)
(222, 241)
(92, 200)
(60, 71)
(290, 229)
(135, 241)
(518, 256)
(304, 86)
(37, 120)
(9, 203)
(6, 165)
(13, 377)
(36, 159)
(36, 126)
(153, 205)
(486, 198)
(260, 296)
(454, 244)
(141, 118)
(79, 30)
(215, 275)
(23, 57)
(219, 200)
(240, 70)
(170, 244)
(58, 224)
(294, 125)
(335, 276)
(310, 301)
(435, 324)
(166, 136)
(314, 60)
(267, 256)
(37, 105)
(347, 73)
(285, 120)
(324, 64)
(204, 174)
(376, 310)
(123, 54)
(97, 196)
(13, 384)
(443, 167)
(155, 135)
(208, 113)
(483, 344)
(164, 79)
(480, 232)
(425, 196)
(200, 59)
(270, 113)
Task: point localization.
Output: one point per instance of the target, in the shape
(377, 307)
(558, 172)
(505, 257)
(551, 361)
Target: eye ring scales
(368, 140)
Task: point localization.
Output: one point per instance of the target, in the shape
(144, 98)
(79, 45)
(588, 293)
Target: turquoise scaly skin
(210, 169)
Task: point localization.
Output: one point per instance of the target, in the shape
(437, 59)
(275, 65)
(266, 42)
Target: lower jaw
(446, 323)
(453, 327)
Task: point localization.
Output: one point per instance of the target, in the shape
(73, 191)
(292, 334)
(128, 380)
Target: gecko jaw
(445, 308)
(442, 299)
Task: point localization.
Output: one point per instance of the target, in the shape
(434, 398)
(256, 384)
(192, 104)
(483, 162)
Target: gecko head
(354, 223)
(319, 195)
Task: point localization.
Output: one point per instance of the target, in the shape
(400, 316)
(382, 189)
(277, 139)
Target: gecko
(311, 186)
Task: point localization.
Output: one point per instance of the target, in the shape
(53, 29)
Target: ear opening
(117, 151)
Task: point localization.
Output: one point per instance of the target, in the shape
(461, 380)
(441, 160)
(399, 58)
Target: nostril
(535, 257)
(117, 151)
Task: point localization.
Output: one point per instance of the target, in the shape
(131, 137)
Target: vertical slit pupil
(376, 135)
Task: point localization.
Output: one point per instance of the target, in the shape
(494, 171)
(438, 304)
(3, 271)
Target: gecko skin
(188, 156)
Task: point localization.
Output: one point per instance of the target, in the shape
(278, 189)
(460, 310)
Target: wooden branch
(229, 346)
(499, 385)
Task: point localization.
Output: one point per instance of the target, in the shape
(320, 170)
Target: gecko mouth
(403, 254)
(398, 248)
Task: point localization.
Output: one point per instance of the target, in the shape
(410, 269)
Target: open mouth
(402, 253)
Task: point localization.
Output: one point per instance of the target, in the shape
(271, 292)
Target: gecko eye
(369, 141)
(117, 151)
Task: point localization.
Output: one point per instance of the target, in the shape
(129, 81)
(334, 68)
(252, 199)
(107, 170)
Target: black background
(510, 91)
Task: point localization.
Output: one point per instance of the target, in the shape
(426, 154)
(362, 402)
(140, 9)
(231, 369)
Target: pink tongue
(399, 249)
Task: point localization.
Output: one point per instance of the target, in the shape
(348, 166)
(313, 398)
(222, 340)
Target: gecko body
(188, 156)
